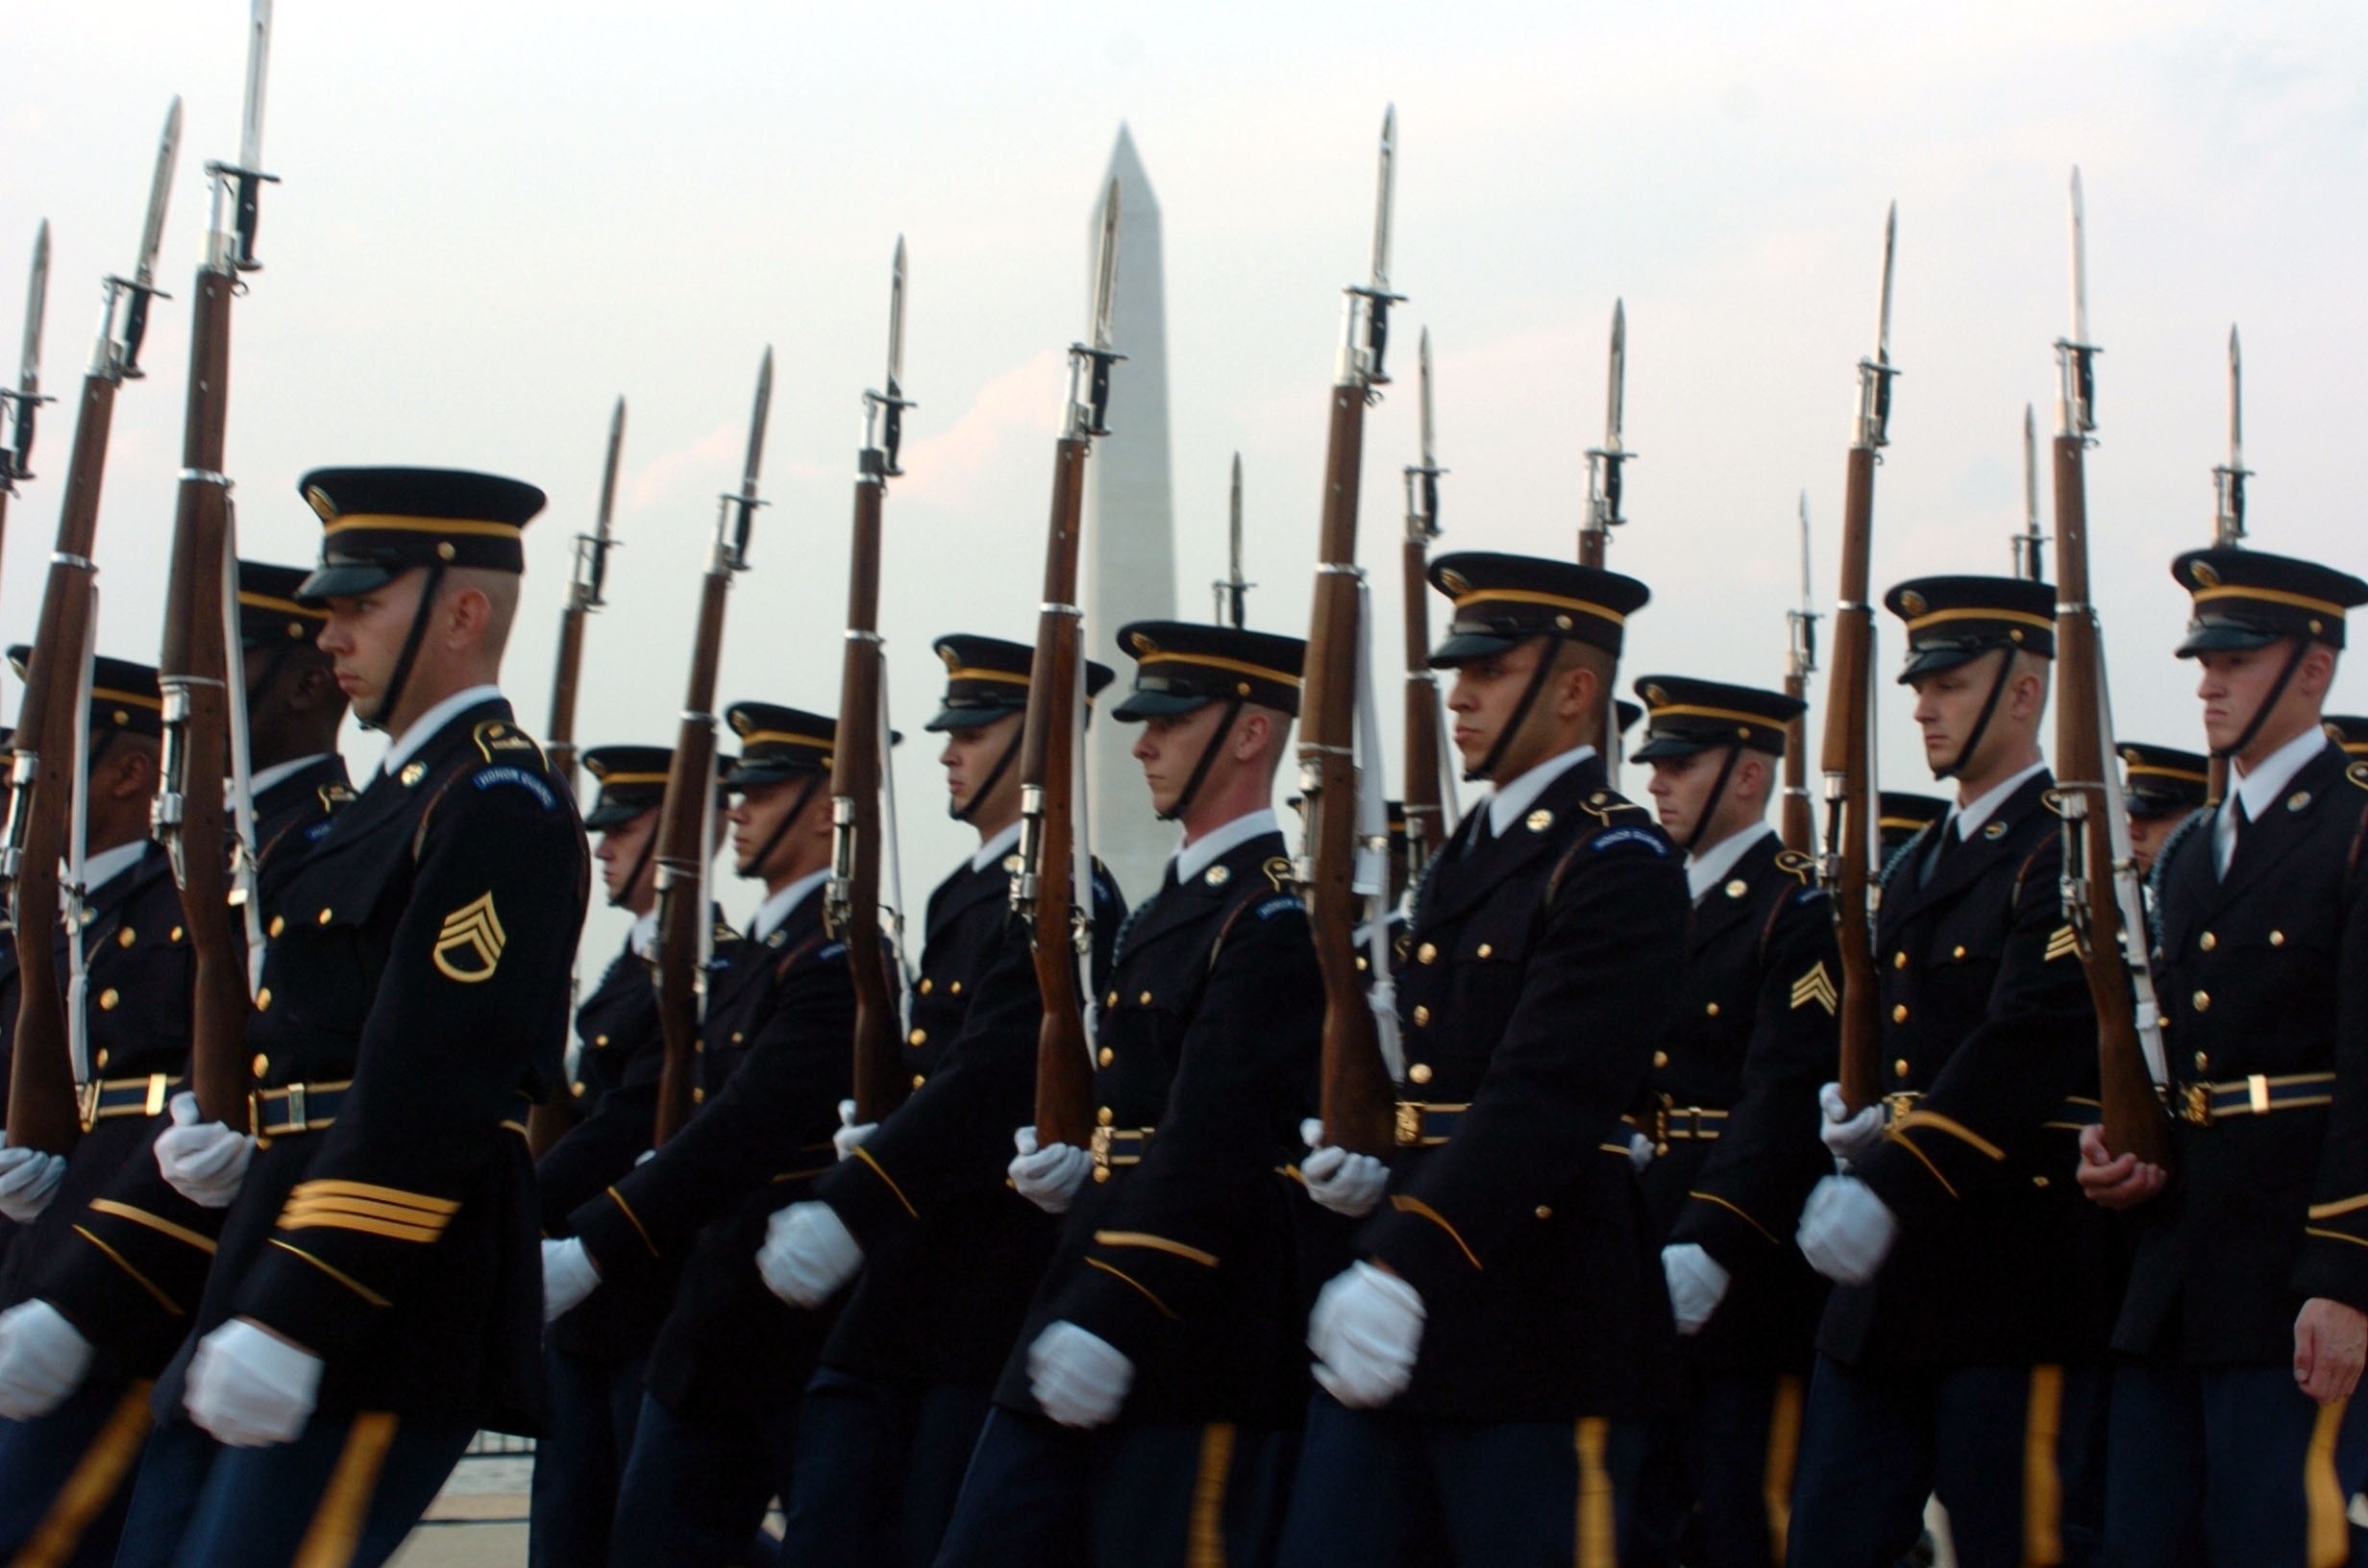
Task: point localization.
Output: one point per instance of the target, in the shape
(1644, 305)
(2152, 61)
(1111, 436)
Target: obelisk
(1130, 524)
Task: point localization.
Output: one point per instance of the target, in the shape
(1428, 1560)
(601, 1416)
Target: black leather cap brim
(1661, 747)
(2227, 637)
(1464, 646)
(611, 814)
(762, 772)
(1930, 661)
(343, 579)
(951, 717)
(1141, 704)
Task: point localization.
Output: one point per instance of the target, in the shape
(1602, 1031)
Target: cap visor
(611, 814)
(342, 579)
(1464, 646)
(1661, 747)
(1141, 704)
(1930, 661)
(953, 717)
(2226, 637)
(762, 772)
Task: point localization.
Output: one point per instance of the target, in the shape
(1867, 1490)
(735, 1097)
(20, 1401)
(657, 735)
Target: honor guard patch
(1816, 986)
(470, 945)
(1630, 835)
(2061, 943)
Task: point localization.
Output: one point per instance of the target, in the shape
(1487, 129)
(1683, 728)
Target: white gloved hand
(569, 1275)
(27, 1179)
(808, 1254)
(1049, 1178)
(205, 1160)
(250, 1388)
(1640, 1150)
(1846, 1231)
(1347, 1184)
(1078, 1379)
(1847, 1137)
(851, 1135)
(1698, 1284)
(1366, 1328)
(43, 1359)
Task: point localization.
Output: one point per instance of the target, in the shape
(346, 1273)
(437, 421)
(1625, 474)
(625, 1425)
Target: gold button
(1110, 1000)
(1103, 1117)
(1419, 1074)
(108, 999)
(1899, 1067)
(2203, 1001)
(1101, 1173)
(175, 935)
(2208, 942)
(1661, 1058)
(1737, 888)
(322, 917)
(263, 1000)
(1899, 1013)
(575, 1090)
(2202, 1061)
(955, 988)
(699, 1047)
(261, 1063)
(126, 936)
(1711, 1011)
(925, 987)
(919, 1036)
(279, 924)
(920, 1078)
(1958, 951)
(2277, 938)
(737, 1037)
(2038, 1181)
(100, 1059)
(698, 1095)
(1107, 1056)
(1899, 960)
(1143, 1000)
(1422, 1016)
(1545, 1212)
(1361, 963)
(1425, 953)
(600, 1040)
(1486, 950)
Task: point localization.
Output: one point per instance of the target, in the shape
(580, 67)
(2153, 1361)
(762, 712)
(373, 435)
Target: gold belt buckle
(86, 1103)
(2198, 1109)
(1897, 1104)
(1099, 1148)
(1409, 1123)
(254, 1116)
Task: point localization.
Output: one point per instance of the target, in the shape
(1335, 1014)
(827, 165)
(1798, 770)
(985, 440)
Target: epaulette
(1278, 871)
(1605, 806)
(497, 739)
(1798, 864)
(2357, 773)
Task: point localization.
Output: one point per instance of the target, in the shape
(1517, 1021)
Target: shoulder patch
(1274, 906)
(498, 738)
(825, 954)
(1278, 871)
(1795, 863)
(1618, 835)
(490, 778)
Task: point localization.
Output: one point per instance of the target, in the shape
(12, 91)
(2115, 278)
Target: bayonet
(239, 186)
(1422, 477)
(1875, 375)
(2028, 562)
(116, 354)
(17, 452)
(1090, 361)
(1233, 590)
(1603, 462)
(1804, 620)
(160, 196)
(592, 549)
(884, 412)
(259, 56)
(2076, 412)
(1366, 344)
(738, 512)
(2228, 481)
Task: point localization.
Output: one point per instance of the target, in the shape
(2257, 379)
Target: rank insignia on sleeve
(1816, 986)
(471, 942)
(2061, 943)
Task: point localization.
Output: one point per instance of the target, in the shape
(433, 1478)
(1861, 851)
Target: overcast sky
(497, 217)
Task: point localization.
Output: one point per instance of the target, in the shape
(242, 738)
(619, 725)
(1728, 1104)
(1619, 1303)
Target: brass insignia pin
(2298, 801)
(1995, 830)
(1217, 876)
(1540, 821)
(412, 773)
(2204, 574)
(1737, 888)
(1912, 603)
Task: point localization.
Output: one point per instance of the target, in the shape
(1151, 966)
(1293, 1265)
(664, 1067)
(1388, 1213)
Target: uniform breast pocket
(320, 960)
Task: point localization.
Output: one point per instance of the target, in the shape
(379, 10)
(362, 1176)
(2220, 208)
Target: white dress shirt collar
(424, 727)
(107, 865)
(993, 851)
(1193, 858)
(1706, 868)
(279, 770)
(2260, 788)
(643, 938)
(1509, 803)
(775, 912)
(1970, 814)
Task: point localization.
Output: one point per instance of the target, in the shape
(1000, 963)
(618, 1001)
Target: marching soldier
(371, 1303)
(2234, 1435)
(1730, 1115)
(949, 1253)
(1508, 1303)
(2159, 788)
(1142, 1415)
(1961, 1352)
(717, 1435)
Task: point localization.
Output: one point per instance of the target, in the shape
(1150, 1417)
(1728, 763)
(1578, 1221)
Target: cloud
(1022, 402)
(661, 478)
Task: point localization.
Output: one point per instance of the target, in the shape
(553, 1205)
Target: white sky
(495, 217)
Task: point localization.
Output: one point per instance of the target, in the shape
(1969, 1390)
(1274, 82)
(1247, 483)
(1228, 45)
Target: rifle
(851, 905)
(1357, 1094)
(205, 731)
(2228, 517)
(1232, 589)
(2087, 793)
(1045, 891)
(1800, 822)
(42, 1113)
(684, 845)
(583, 597)
(19, 408)
(1426, 822)
(1852, 833)
(1603, 493)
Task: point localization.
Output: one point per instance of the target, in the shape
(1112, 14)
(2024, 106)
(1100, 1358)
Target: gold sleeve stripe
(2329, 1211)
(865, 1155)
(1157, 1243)
(330, 1221)
(1951, 1126)
(392, 1213)
(2334, 1235)
(384, 1194)
(634, 1220)
(338, 1274)
(1893, 1137)
(800, 1175)
(1712, 1197)
(1405, 1205)
(156, 1224)
(138, 1278)
(1122, 1274)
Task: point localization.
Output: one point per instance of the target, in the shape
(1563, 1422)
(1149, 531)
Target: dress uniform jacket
(1208, 1033)
(420, 954)
(2265, 971)
(1754, 1038)
(1541, 970)
(775, 1062)
(951, 1254)
(1990, 1048)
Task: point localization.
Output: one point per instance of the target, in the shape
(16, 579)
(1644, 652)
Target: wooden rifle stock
(682, 855)
(550, 1117)
(1849, 772)
(1047, 891)
(1427, 822)
(1799, 823)
(880, 1082)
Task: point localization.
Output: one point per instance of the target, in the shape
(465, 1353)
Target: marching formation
(1573, 1178)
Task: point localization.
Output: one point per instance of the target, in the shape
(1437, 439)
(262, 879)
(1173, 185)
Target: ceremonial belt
(2073, 1115)
(1426, 1126)
(2254, 1095)
(292, 1109)
(1681, 1124)
(1114, 1146)
(104, 1099)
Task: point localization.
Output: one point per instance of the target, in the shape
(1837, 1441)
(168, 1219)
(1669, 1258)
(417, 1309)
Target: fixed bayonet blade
(1233, 524)
(1808, 596)
(895, 323)
(2031, 473)
(2080, 263)
(1883, 321)
(1616, 393)
(1385, 181)
(1423, 360)
(608, 471)
(36, 306)
(258, 61)
(1106, 270)
(160, 193)
(757, 416)
(2236, 399)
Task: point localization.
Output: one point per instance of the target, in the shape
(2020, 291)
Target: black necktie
(2238, 820)
(1941, 846)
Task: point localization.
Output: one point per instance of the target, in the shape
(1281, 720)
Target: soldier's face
(970, 756)
(1482, 701)
(1170, 749)
(2233, 685)
(2146, 836)
(1948, 705)
(620, 853)
(757, 810)
(1681, 790)
(365, 635)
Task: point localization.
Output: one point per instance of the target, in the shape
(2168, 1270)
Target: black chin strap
(780, 829)
(1718, 789)
(1547, 657)
(411, 652)
(995, 776)
(1200, 769)
(2261, 714)
(641, 863)
(1980, 725)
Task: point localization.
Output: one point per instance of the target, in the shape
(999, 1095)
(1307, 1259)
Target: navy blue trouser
(2015, 1452)
(696, 1486)
(347, 1490)
(1717, 1486)
(1388, 1490)
(65, 1477)
(580, 1459)
(1040, 1495)
(880, 1465)
(2233, 1467)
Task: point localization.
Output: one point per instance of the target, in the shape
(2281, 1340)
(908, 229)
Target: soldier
(1961, 1352)
(2159, 787)
(1508, 1303)
(2233, 1437)
(1900, 816)
(716, 1433)
(1166, 1316)
(371, 1303)
(1731, 1115)
(949, 1251)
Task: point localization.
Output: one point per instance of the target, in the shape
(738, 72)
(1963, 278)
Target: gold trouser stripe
(154, 1222)
(1155, 1244)
(2331, 1538)
(1146, 1293)
(2333, 1211)
(2043, 1481)
(877, 1169)
(1205, 1548)
(335, 1532)
(138, 1278)
(102, 1469)
(1405, 1205)
(1712, 1197)
(634, 1220)
(1891, 1135)
(1592, 1534)
(1784, 1453)
(1951, 1126)
(335, 1273)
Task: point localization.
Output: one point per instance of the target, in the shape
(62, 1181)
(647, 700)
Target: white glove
(43, 1359)
(27, 1179)
(808, 1254)
(1640, 1150)
(1347, 1184)
(1847, 1137)
(569, 1275)
(205, 1160)
(1846, 1230)
(1698, 1284)
(1365, 1331)
(1049, 1178)
(250, 1388)
(1078, 1379)
(851, 1135)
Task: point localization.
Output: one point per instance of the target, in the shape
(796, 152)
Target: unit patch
(470, 945)
(1617, 836)
(487, 778)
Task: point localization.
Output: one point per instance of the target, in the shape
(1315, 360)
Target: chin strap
(641, 863)
(418, 634)
(1547, 657)
(780, 829)
(2277, 689)
(1702, 822)
(1980, 725)
(995, 776)
(1200, 769)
